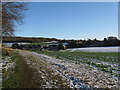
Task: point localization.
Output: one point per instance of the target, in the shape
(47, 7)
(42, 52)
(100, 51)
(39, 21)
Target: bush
(62, 47)
(6, 51)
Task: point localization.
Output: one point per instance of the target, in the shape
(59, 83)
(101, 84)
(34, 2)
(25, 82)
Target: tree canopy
(12, 13)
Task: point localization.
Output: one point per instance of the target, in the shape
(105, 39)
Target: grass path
(22, 77)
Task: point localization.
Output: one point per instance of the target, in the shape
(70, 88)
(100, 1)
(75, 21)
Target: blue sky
(70, 20)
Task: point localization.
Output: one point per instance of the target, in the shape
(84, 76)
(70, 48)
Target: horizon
(62, 39)
(70, 20)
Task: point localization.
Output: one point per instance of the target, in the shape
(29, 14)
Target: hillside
(27, 39)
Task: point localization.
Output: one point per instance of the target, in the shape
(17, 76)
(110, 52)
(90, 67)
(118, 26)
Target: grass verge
(22, 77)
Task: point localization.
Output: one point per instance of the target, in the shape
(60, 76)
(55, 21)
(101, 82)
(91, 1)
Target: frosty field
(88, 70)
(96, 49)
(106, 62)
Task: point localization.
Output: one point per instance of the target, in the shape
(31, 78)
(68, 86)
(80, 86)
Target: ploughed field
(106, 62)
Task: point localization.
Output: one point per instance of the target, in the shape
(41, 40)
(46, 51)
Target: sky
(70, 20)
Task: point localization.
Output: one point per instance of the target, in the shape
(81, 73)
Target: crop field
(106, 62)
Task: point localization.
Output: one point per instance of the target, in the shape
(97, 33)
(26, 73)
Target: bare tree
(12, 13)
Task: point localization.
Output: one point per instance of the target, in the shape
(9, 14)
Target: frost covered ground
(96, 49)
(61, 69)
(89, 71)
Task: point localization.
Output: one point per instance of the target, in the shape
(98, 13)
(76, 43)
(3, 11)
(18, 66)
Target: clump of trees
(61, 46)
(109, 41)
(112, 41)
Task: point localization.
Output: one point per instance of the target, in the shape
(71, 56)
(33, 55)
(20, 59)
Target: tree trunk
(0, 45)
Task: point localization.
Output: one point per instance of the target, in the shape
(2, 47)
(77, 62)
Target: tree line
(28, 39)
(109, 41)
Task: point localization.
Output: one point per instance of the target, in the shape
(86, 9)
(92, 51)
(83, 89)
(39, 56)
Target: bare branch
(12, 12)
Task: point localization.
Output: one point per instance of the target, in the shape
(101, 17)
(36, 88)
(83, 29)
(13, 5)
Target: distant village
(57, 44)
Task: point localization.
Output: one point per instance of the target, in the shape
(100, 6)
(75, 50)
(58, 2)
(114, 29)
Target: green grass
(22, 77)
(75, 55)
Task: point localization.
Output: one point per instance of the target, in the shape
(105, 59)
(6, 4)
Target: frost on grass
(44, 72)
(7, 67)
(69, 70)
(95, 71)
(96, 49)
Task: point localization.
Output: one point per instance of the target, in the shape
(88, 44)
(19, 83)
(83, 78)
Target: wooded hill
(28, 39)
